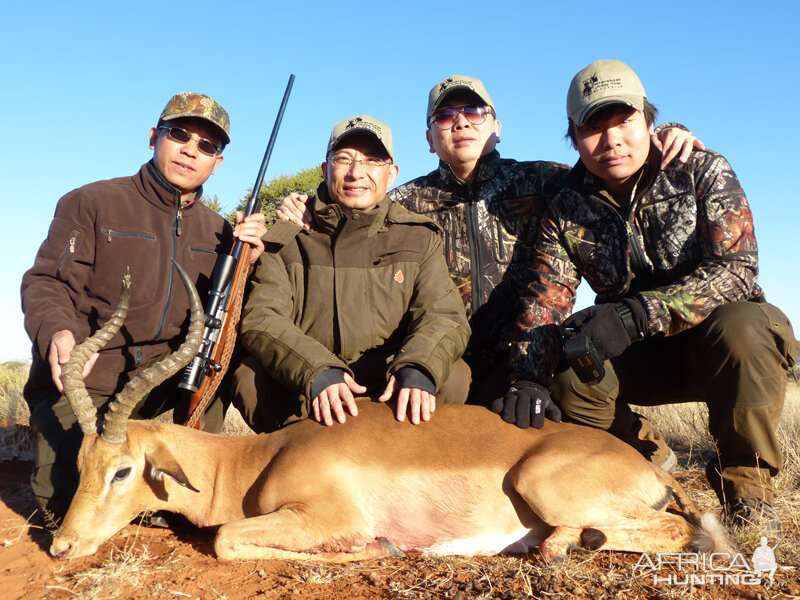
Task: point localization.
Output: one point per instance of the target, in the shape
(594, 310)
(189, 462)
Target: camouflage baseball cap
(601, 83)
(362, 123)
(189, 104)
(452, 84)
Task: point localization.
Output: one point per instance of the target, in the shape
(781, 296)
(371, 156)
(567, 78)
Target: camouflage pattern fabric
(489, 227)
(685, 247)
(188, 104)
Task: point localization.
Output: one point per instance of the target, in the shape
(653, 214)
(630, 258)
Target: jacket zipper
(70, 249)
(639, 262)
(474, 255)
(171, 277)
(637, 258)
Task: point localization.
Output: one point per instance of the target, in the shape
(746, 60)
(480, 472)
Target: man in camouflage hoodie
(679, 317)
(488, 209)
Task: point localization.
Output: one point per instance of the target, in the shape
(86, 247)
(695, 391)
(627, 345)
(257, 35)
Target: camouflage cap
(189, 104)
(363, 124)
(601, 83)
(452, 84)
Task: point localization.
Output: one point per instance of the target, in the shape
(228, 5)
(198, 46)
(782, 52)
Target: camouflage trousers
(735, 362)
(55, 473)
(266, 406)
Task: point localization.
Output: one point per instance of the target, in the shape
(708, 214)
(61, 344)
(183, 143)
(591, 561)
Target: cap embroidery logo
(450, 82)
(362, 124)
(588, 85)
(398, 276)
(594, 85)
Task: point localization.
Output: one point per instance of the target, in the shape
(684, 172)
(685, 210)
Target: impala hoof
(592, 539)
(389, 549)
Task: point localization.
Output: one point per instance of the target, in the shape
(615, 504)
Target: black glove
(612, 327)
(525, 404)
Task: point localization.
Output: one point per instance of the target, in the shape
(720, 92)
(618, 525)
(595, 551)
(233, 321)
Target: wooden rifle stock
(202, 376)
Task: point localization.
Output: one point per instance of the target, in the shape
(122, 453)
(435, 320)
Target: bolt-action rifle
(202, 376)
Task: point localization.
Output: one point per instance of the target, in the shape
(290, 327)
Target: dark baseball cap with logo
(456, 83)
(602, 83)
(361, 124)
(189, 104)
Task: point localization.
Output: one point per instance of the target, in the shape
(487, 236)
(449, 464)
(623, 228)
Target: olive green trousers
(735, 362)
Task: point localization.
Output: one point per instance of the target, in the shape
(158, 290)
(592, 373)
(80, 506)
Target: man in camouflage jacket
(363, 303)
(679, 317)
(488, 209)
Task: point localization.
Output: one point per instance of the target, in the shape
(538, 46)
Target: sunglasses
(181, 136)
(445, 118)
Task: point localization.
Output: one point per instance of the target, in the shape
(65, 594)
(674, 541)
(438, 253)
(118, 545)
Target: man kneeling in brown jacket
(364, 304)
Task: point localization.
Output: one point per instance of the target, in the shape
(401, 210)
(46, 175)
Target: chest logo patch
(398, 276)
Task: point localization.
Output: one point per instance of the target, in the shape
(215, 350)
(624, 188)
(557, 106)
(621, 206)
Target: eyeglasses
(181, 136)
(342, 161)
(445, 118)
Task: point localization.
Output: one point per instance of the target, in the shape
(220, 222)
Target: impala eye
(122, 474)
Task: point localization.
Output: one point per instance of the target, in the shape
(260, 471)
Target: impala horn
(72, 371)
(119, 410)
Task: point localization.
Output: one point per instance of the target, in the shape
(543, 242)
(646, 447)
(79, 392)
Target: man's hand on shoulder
(676, 142)
(250, 230)
(58, 353)
(294, 208)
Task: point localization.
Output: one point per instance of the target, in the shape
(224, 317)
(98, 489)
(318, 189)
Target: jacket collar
(329, 216)
(157, 190)
(582, 180)
(488, 168)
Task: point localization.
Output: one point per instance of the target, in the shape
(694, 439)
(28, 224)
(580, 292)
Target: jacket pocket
(110, 233)
(118, 248)
(68, 254)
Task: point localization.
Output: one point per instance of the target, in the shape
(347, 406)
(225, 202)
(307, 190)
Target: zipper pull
(178, 218)
(72, 241)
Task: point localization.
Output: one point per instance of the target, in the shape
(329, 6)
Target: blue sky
(83, 83)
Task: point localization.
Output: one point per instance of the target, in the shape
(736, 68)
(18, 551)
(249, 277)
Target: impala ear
(162, 462)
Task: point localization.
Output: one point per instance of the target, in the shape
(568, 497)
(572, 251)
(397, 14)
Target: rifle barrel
(197, 372)
(253, 203)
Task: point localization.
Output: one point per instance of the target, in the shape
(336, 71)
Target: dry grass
(16, 440)
(12, 378)
(123, 568)
(685, 427)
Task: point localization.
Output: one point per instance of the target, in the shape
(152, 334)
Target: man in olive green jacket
(364, 304)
